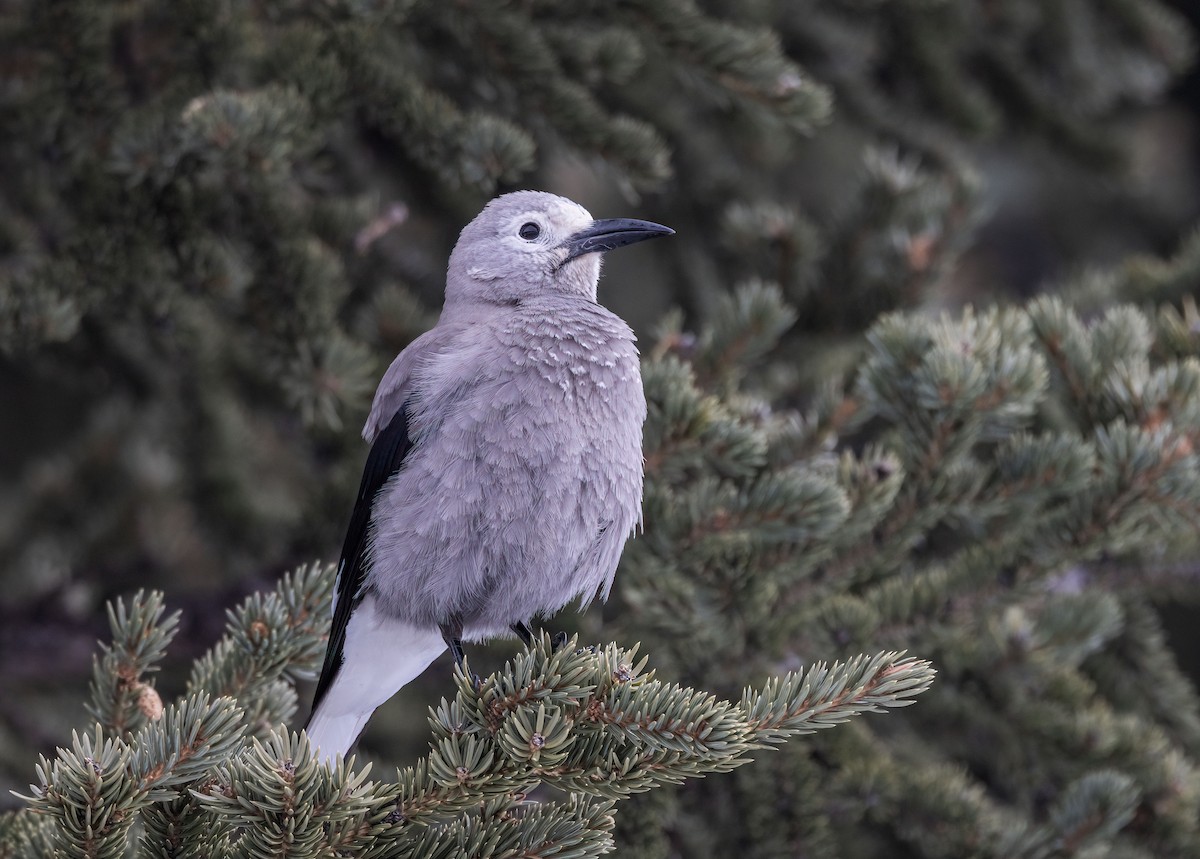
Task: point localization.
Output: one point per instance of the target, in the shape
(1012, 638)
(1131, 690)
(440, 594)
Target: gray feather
(523, 478)
(527, 442)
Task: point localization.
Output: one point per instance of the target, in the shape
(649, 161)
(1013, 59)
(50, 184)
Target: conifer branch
(121, 700)
(271, 641)
(210, 775)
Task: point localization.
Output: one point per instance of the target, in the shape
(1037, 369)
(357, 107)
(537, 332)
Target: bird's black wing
(387, 455)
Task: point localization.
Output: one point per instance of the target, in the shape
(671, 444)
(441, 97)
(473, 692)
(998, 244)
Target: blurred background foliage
(219, 221)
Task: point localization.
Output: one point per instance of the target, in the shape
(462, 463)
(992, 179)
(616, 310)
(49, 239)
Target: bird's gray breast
(526, 474)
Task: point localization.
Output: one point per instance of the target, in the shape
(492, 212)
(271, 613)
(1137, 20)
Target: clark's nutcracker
(505, 470)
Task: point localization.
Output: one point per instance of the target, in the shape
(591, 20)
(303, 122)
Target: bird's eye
(529, 231)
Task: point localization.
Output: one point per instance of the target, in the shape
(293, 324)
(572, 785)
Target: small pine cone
(149, 702)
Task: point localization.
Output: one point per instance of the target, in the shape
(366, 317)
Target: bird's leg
(456, 650)
(452, 634)
(557, 641)
(452, 631)
(523, 632)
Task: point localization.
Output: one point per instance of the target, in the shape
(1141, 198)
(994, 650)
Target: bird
(505, 469)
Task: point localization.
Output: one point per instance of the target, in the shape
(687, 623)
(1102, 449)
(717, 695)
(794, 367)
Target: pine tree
(219, 222)
(217, 773)
(1008, 489)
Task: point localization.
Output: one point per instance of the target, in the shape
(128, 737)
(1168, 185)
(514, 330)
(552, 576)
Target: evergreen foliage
(219, 221)
(1000, 476)
(223, 776)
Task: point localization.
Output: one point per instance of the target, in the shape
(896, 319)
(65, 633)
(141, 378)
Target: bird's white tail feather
(380, 655)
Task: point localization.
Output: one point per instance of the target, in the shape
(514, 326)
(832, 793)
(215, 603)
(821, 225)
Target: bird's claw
(524, 633)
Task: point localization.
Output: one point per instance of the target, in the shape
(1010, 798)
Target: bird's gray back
(525, 478)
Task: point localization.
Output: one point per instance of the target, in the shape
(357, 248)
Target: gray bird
(505, 470)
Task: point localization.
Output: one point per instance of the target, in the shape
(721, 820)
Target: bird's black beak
(610, 234)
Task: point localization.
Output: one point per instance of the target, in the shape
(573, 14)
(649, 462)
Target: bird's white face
(517, 248)
(529, 244)
(539, 235)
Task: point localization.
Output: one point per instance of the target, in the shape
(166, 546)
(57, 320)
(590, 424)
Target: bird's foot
(460, 662)
(523, 632)
(452, 634)
(557, 641)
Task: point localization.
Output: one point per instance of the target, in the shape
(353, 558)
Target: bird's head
(530, 243)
